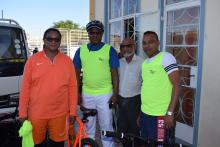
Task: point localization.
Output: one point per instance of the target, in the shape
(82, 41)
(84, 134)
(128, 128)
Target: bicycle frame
(142, 141)
(80, 134)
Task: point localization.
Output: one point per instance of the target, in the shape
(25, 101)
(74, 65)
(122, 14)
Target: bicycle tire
(88, 141)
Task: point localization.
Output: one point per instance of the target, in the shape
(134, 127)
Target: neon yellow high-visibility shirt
(96, 70)
(156, 88)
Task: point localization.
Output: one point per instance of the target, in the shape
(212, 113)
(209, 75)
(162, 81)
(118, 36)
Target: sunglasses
(95, 33)
(126, 45)
(49, 39)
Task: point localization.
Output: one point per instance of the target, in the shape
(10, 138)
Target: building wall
(209, 130)
(99, 10)
(208, 127)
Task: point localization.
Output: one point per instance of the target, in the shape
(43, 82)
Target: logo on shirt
(39, 63)
(151, 71)
(101, 59)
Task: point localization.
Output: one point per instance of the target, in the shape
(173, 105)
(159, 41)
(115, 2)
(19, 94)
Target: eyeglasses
(49, 39)
(95, 33)
(126, 45)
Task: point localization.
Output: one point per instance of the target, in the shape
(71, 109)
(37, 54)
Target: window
(115, 8)
(12, 45)
(115, 34)
(174, 1)
(122, 24)
(182, 35)
(130, 7)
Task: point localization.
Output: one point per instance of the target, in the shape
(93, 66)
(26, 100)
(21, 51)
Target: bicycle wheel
(85, 142)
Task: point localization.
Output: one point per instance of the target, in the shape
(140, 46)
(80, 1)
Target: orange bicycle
(81, 138)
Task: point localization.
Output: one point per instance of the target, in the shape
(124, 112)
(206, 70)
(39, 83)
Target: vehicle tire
(88, 141)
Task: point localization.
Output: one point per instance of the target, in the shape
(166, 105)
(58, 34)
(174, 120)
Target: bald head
(128, 41)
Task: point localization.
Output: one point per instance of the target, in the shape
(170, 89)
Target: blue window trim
(106, 19)
(200, 59)
(161, 8)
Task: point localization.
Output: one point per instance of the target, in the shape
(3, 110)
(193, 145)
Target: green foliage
(67, 24)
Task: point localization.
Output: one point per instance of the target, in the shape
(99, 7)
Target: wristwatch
(169, 113)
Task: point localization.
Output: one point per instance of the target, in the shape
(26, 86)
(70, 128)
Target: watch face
(169, 113)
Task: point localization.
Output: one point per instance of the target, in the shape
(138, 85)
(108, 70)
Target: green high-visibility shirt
(96, 70)
(156, 89)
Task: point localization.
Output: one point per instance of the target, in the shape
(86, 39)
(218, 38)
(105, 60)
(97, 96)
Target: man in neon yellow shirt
(159, 91)
(99, 63)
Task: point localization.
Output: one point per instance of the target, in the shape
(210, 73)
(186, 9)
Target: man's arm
(114, 64)
(73, 94)
(174, 78)
(78, 72)
(115, 82)
(78, 66)
(25, 92)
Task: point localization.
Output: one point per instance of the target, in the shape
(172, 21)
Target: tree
(67, 24)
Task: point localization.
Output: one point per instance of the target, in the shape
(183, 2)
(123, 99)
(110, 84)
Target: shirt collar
(95, 48)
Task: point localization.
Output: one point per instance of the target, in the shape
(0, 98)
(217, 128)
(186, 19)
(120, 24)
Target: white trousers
(104, 116)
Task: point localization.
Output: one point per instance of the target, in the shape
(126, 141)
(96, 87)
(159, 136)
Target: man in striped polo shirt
(159, 91)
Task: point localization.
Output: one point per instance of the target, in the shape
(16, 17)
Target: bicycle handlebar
(113, 134)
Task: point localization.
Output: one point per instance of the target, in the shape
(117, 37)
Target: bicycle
(138, 141)
(81, 139)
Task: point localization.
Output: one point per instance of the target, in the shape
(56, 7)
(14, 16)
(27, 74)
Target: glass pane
(115, 8)
(187, 35)
(174, 1)
(12, 44)
(129, 28)
(183, 16)
(130, 6)
(184, 55)
(185, 107)
(115, 34)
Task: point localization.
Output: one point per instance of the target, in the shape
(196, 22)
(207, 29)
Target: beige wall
(209, 128)
(149, 5)
(92, 9)
(99, 10)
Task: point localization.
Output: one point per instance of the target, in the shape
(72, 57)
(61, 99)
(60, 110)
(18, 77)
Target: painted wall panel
(209, 130)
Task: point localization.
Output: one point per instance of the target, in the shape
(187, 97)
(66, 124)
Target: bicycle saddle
(87, 112)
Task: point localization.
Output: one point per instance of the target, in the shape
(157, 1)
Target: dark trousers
(50, 143)
(149, 129)
(128, 111)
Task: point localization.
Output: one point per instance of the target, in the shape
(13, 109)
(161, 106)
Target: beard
(128, 54)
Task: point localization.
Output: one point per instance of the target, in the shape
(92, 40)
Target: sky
(35, 16)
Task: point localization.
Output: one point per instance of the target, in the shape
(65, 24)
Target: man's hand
(22, 119)
(169, 121)
(112, 101)
(72, 119)
(113, 98)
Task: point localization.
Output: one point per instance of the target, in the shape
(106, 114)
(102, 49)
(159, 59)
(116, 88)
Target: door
(181, 38)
